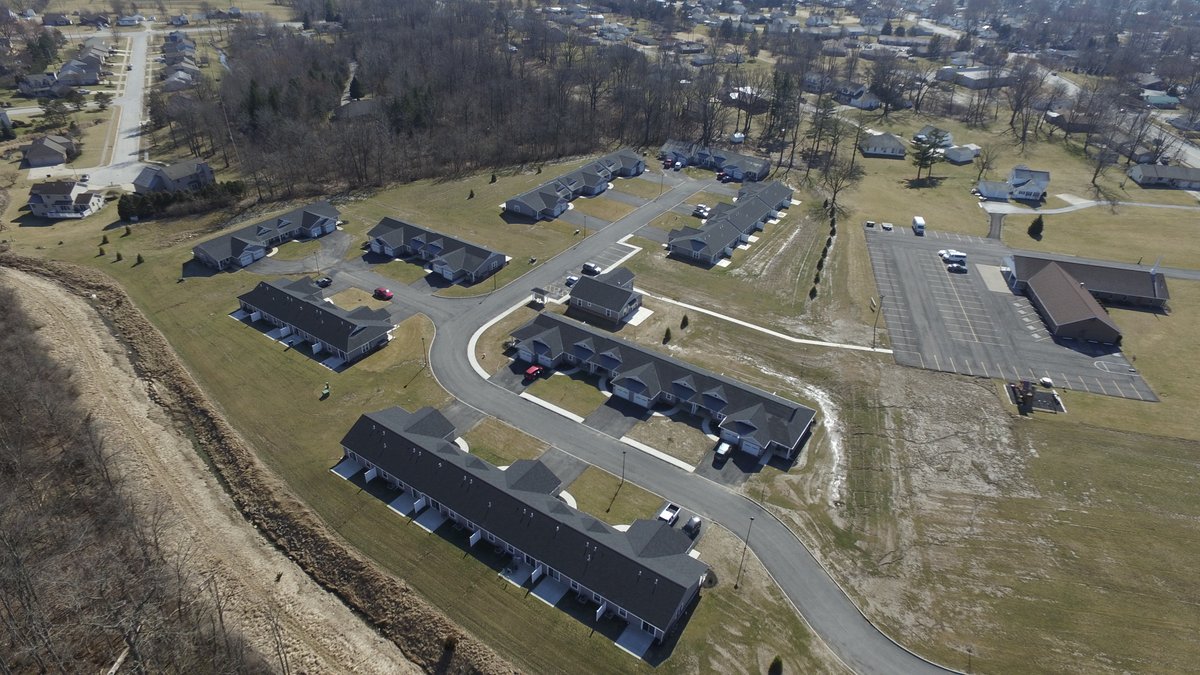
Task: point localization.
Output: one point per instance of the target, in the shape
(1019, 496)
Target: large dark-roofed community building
(643, 575)
(753, 420)
(1068, 294)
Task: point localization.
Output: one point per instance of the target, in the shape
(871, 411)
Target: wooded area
(85, 580)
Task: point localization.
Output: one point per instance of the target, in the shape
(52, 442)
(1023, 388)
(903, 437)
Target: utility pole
(745, 543)
(423, 360)
(622, 467)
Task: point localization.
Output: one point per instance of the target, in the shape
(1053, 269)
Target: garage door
(751, 447)
(641, 400)
(621, 392)
(525, 355)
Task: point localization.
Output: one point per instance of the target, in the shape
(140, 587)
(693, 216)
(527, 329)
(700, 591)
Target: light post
(622, 467)
(424, 362)
(745, 543)
(876, 324)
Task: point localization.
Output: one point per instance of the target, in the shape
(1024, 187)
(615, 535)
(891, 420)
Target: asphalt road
(805, 582)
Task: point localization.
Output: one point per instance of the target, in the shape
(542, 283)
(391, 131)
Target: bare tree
(986, 160)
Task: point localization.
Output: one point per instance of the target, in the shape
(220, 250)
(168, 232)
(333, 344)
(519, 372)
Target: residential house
(1162, 101)
(180, 20)
(992, 190)
(1157, 175)
(701, 60)
(131, 20)
(453, 259)
(244, 246)
(56, 20)
(748, 418)
(643, 575)
(883, 145)
(178, 82)
(1027, 184)
(37, 86)
(1112, 283)
(981, 77)
(191, 174)
(705, 244)
(1070, 122)
(928, 132)
(962, 154)
(5, 122)
(1149, 81)
(49, 150)
(298, 308)
(1184, 124)
(76, 73)
(818, 21)
(548, 200)
(185, 65)
(64, 199)
(609, 297)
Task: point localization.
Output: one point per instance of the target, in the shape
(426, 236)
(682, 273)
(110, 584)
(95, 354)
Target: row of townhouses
(729, 225)
(548, 200)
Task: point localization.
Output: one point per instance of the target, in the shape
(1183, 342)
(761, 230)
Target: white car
(947, 253)
(887, 227)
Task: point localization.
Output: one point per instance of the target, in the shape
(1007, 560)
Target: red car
(383, 293)
(534, 372)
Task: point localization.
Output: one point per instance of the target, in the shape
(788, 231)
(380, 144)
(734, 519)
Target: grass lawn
(569, 392)
(95, 138)
(402, 271)
(513, 270)
(501, 444)
(602, 207)
(708, 198)
(672, 221)
(489, 348)
(1131, 234)
(297, 250)
(640, 187)
(681, 437)
(593, 492)
(1159, 346)
(887, 193)
(353, 298)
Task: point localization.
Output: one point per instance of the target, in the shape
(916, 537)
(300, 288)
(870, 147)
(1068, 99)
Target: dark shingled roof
(457, 254)
(709, 241)
(299, 304)
(612, 290)
(646, 570)
(1101, 279)
(231, 244)
(750, 412)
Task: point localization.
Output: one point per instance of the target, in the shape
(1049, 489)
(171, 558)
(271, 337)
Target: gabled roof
(54, 187)
(1133, 283)
(458, 254)
(710, 241)
(771, 192)
(884, 140)
(1021, 175)
(606, 291)
(232, 244)
(1181, 173)
(759, 415)
(646, 571)
(299, 304)
(1065, 299)
(993, 189)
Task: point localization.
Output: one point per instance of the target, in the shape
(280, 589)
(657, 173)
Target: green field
(501, 444)
(681, 438)
(604, 208)
(1130, 234)
(604, 496)
(575, 393)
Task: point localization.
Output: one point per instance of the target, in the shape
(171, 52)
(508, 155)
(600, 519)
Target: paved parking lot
(973, 324)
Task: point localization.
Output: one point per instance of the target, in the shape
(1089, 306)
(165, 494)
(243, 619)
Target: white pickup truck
(669, 514)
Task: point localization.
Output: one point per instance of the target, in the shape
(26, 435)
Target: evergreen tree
(1036, 227)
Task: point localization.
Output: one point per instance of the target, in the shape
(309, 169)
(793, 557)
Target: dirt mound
(423, 634)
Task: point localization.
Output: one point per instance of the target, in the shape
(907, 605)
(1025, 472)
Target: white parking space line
(1101, 385)
(1118, 386)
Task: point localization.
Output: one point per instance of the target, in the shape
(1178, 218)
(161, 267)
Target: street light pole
(424, 361)
(745, 543)
(876, 324)
(622, 467)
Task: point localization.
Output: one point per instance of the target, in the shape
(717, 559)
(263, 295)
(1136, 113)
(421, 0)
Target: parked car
(383, 293)
(85, 177)
(669, 514)
(957, 268)
(701, 211)
(887, 227)
(692, 526)
(724, 449)
(678, 166)
(534, 372)
(324, 282)
(870, 223)
(572, 280)
(592, 269)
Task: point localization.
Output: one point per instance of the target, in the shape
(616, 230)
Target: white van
(918, 226)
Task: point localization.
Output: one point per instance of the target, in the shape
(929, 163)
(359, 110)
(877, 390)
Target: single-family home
(992, 190)
(609, 297)
(191, 174)
(1162, 101)
(928, 132)
(298, 308)
(180, 20)
(76, 73)
(1149, 81)
(981, 77)
(49, 150)
(64, 199)
(962, 154)
(1184, 124)
(131, 20)
(244, 246)
(1157, 175)
(748, 418)
(883, 145)
(453, 259)
(36, 86)
(56, 20)
(178, 82)
(1028, 184)
(642, 575)
(185, 65)
(818, 21)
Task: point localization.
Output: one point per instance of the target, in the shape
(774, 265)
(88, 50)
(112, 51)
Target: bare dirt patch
(426, 637)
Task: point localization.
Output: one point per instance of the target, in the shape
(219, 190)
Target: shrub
(104, 240)
(683, 323)
(776, 667)
(667, 336)
(812, 294)
(140, 259)
(472, 195)
(120, 257)
(1036, 228)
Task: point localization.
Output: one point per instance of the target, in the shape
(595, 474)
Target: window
(622, 613)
